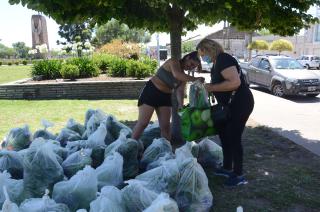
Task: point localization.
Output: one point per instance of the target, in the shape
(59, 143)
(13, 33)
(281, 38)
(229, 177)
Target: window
(264, 64)
(255, 62)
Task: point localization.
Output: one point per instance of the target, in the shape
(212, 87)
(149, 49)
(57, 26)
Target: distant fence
(74, 90)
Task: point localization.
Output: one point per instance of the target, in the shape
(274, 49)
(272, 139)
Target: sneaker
(223, 172)
(234, 181)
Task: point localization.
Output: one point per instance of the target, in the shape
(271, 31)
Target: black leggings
(230, 133)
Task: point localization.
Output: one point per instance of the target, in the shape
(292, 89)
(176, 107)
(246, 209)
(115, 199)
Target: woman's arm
(231, 83)
(178, 73)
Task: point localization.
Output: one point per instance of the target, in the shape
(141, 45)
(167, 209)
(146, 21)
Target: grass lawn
(13, 73)
(282, 175)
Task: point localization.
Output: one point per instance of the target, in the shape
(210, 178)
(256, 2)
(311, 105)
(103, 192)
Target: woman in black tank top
(156, 98)
(227, 77)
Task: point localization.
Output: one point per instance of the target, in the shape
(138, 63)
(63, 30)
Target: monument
(39, 31)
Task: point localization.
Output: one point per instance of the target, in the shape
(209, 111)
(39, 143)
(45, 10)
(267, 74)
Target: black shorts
(152, 96)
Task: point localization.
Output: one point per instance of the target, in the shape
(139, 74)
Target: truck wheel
(307, 66)
(278, 90)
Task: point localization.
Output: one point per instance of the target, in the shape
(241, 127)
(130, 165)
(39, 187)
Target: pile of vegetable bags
(196, 119)
(96, 166)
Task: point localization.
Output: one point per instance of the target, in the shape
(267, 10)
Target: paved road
(297, 118)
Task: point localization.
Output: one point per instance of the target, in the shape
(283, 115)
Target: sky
(15, 26)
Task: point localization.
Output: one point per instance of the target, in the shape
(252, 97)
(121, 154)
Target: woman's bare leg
(145, 114)
(164, 115)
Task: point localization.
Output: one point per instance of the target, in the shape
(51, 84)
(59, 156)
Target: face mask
(207, 59)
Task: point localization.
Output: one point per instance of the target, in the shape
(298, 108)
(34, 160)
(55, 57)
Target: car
(309, 61)
(282, 75)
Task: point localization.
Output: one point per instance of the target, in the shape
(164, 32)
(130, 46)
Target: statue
(39, 31)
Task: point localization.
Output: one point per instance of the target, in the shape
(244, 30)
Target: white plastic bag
(193, 193)
(79, 191)
(14, 188)
(210, 154)
(137, 197)
(157, 149)
(164, 178)
(163, 203)
(198, 96)
(109, 173)
(42, 204)
(8, 206)
(110, 200)
(77, 161)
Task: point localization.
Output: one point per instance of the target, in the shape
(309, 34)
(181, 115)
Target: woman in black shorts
(156, 95)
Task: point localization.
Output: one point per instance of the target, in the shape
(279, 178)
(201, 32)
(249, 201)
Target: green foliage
(69, 71)
(9, 63)
(281, 45)
(21, 49)
(137, 69)
(103, 61)
(258, 45)
(86, 66)
(151, 63)
(24, 62)
(118, 68)
(17, 63)
(188, 46)
(6, 52)
(113, 29)
(75, 33)
(0, 63)
(48, 69)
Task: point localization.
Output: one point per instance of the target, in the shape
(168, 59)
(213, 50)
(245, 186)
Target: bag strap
(232, 96)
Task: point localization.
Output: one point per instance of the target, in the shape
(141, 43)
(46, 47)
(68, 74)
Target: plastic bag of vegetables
(14, 188)
(198, 96)
(193, 193)
(8, 206)
(151, 132)
(157, 149)
(18, 139)
(109, 173)
(12, 162)
(210, 153)
(42, 168)
(163, 203)
(44, 133)
(196, 123)
(79, 191)
(137, 197)
(164, 178)
(76, 161)
(42, 204)
(109, 199)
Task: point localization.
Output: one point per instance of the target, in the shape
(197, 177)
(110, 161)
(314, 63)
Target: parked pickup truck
(282, 75)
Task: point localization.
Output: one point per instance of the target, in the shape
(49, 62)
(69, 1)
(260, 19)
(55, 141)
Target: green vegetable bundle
(196, 123)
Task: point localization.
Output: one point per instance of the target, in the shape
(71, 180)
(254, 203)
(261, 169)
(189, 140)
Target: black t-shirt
(224, 61)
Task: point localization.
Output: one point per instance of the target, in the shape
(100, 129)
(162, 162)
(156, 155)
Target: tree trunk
(175, 15)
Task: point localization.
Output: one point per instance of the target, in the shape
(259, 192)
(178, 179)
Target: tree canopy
(258, 45)
(113, 29)
(283, 17)
(281, 45)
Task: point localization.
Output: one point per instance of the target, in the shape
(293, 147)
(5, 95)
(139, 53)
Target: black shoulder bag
(220, 113)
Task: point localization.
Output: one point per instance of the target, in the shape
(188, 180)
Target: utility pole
(158, 50)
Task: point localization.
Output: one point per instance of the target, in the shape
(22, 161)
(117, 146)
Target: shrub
(86, 67)
(9, 63)
(151, 63)
(24, 62)
(17, 63)
(69, 71)
(103, 61)
(138, 69)
(118, 68)
(121, 49)
(48, 69)
(0, 63)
